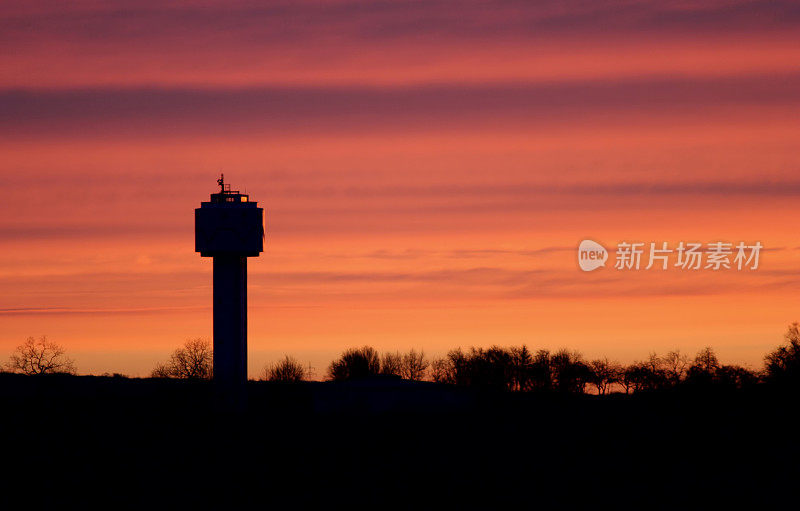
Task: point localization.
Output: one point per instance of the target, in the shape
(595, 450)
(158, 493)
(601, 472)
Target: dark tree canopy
(364, 362)
(355, 363)
(288, 370)
(782, 365)
(603, 374)
(514, 368)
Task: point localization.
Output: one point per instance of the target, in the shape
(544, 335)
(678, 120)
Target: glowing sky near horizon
(427, 170)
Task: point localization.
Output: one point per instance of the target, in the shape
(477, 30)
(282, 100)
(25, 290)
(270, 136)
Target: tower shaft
(230, 320)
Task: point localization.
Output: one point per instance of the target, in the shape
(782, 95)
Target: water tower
(229, 228)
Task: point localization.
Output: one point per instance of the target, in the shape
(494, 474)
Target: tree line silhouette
(364, 362)
(515, 368)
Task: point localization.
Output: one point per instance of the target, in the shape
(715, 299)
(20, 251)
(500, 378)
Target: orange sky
(427, 173)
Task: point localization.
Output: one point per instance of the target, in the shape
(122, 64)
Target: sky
(427, 169)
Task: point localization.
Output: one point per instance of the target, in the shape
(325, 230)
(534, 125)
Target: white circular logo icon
(591, 255)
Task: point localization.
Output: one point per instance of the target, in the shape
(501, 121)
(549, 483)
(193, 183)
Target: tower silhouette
(230, 229)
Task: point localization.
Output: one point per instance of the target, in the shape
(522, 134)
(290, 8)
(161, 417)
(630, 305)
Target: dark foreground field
(128, 443)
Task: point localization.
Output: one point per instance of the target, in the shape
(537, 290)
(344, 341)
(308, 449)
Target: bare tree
(570, 372)
(288, 370)
(453, 368)
(654, 363)
(604, 374)
(40, 357)
(476, 367)
(704, 369)
(521, 362)
(541, 374)
(628, 378)
(392, 363)
(440, 370)
(414, 365)
(161, 371)
(195, 360)
(647, 375)
(706, 360)
(651, 373)
(675, 366)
